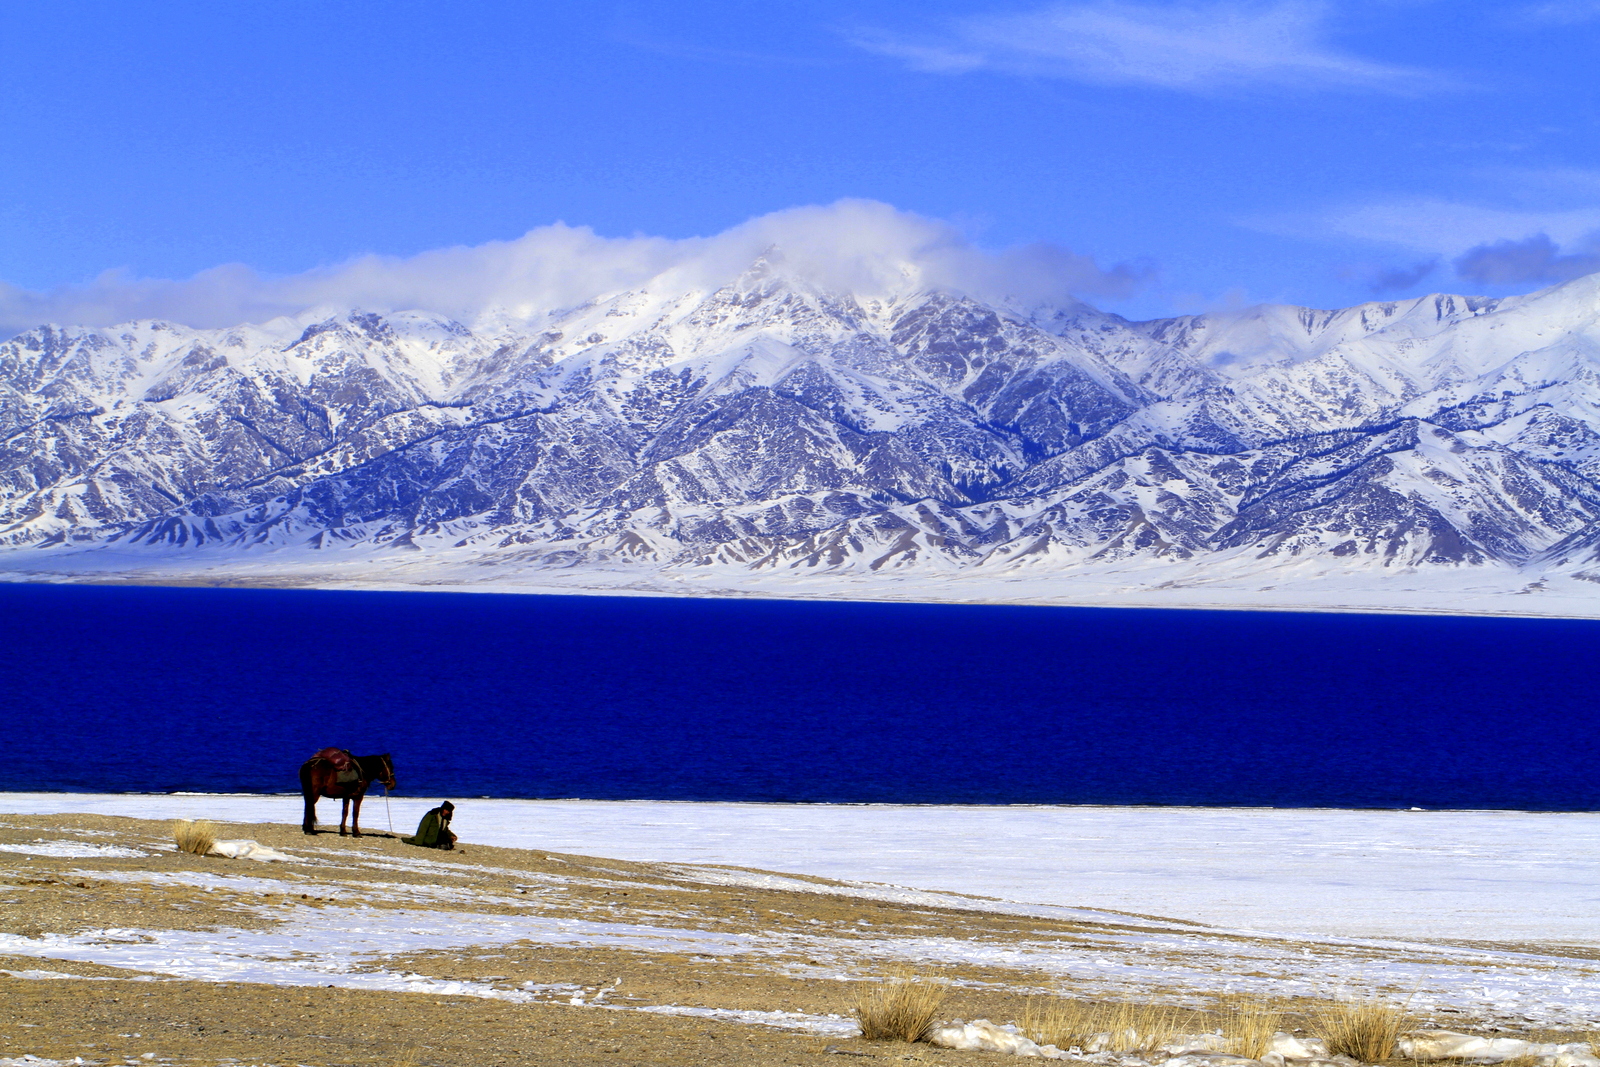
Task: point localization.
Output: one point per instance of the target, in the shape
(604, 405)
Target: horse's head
(386, 771)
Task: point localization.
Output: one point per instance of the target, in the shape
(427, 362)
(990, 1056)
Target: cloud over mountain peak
(858, 246)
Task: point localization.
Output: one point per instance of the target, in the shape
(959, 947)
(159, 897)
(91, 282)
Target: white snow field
(1411, 875)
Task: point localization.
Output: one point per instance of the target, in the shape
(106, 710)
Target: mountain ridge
(772, 425)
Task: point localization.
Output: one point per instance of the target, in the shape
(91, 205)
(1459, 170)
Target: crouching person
(434, 830)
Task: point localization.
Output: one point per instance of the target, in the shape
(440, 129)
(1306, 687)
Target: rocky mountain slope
(771, 425)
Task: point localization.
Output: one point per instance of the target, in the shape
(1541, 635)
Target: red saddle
(342, 761)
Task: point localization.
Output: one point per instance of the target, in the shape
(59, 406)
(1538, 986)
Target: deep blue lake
(157, 689)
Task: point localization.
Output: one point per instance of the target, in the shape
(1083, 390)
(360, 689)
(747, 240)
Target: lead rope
(386, 810)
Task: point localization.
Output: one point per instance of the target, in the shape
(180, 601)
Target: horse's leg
(344, 812)
(355, 816)
(308, 824)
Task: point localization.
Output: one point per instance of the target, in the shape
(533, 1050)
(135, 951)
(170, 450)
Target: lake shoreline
(1502, 594)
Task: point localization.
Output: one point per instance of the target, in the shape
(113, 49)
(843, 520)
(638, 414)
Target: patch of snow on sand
(895, 894)
(295, 951)
(250, 850)
(467, 870)
(387, 891)
(829, 1025)
(228, 883)
(73, 850)
(981, 1035)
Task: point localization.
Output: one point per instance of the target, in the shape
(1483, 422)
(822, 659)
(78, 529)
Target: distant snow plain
(1500, 876)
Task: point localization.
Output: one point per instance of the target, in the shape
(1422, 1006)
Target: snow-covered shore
(1238, 584)
(1481, 876)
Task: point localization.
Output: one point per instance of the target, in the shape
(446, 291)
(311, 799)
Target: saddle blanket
(345, 767)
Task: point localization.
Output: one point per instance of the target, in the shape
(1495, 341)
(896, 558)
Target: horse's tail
(305, 778)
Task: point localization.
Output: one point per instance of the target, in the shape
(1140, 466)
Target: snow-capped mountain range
(770, 426)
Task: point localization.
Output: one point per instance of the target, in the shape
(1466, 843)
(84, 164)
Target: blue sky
(1321, 153)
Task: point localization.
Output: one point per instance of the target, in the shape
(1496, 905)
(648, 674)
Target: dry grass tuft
(1593, 1037)
(1363, 1029)
(1064, 1022)
(1143, 1027)
(1248, 1024)
(1067, 1023)
(903, 1008)
(196, 837)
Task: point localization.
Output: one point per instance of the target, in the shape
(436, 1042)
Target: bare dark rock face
(769, 425)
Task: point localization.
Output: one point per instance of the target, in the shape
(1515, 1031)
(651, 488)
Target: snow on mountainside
(771, 425)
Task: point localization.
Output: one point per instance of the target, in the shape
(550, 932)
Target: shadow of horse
(320, 777)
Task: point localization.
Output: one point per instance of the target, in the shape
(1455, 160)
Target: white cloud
(1552, 185)
(1196, 46)
(859, 245)
(1512, 204)
(1551, 234)
(1451, 228)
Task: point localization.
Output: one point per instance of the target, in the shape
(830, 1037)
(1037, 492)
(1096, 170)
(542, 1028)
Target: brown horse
(320, 777)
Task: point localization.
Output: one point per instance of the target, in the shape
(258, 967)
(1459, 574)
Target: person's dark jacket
(433, 831)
